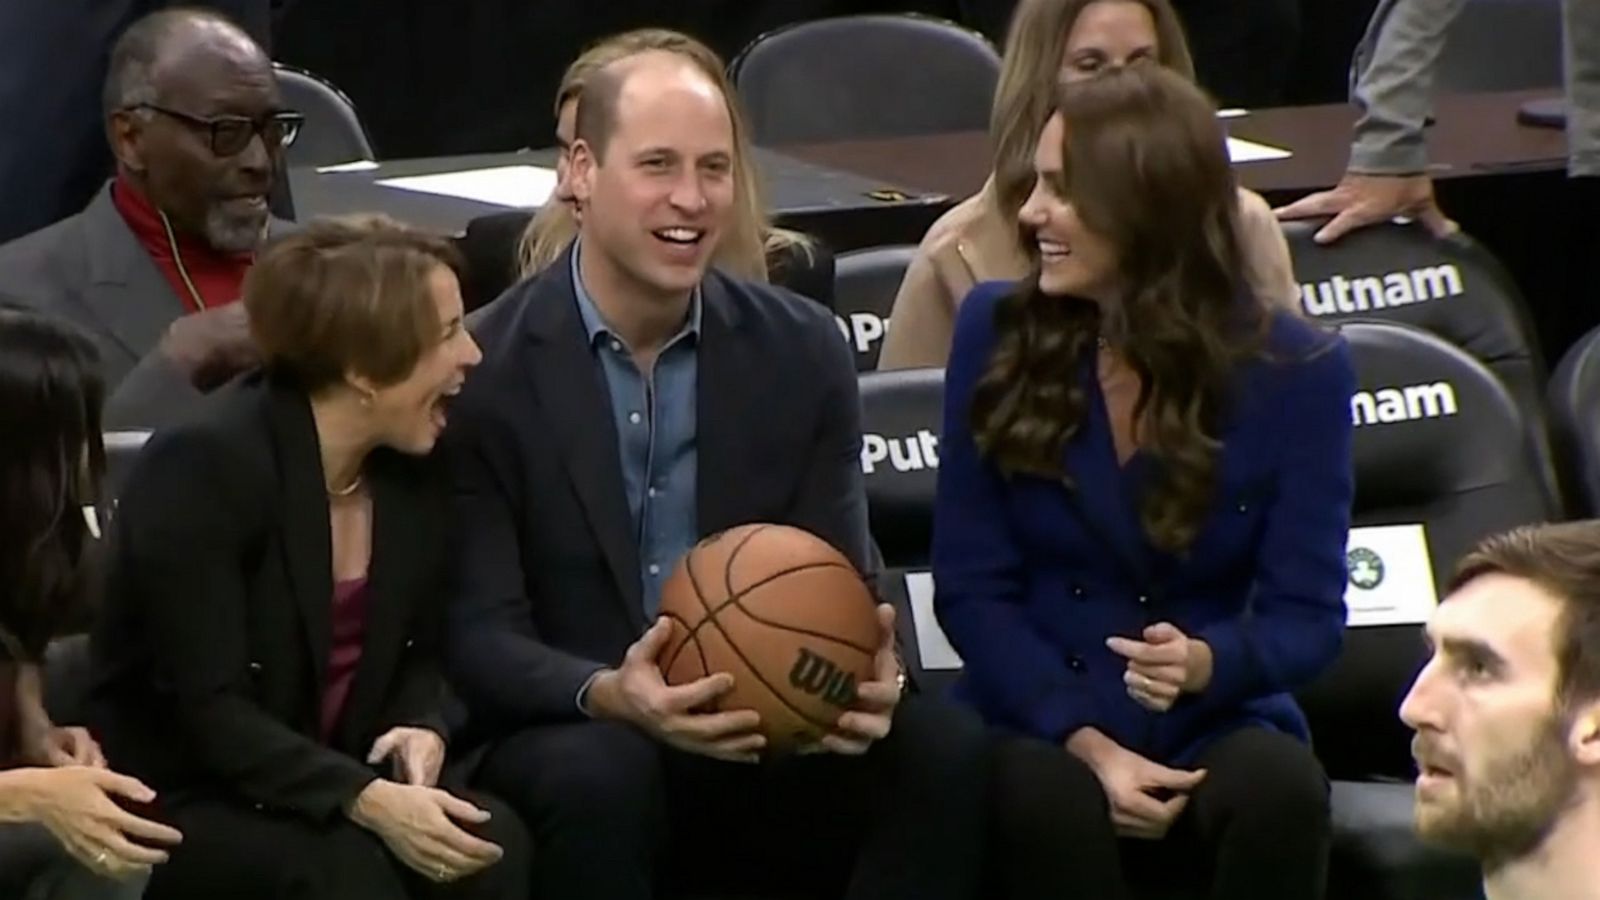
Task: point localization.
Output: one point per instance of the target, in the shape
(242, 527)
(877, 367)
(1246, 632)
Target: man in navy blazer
(631, 402)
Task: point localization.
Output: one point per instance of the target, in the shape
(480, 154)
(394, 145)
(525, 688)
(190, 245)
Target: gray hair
(138, 53)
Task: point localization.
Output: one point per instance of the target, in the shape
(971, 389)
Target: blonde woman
(754, 248)
(979, 240)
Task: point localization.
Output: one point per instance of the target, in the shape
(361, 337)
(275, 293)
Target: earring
(366, 399)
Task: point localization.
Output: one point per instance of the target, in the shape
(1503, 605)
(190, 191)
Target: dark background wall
(434, 77)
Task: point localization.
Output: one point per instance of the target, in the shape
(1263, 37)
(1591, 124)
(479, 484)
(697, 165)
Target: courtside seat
(1452, 287)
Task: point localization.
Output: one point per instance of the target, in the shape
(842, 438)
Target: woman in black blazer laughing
(267, 658)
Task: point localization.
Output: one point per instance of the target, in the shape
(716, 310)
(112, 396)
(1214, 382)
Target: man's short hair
(137, 54)
(596, 118)
(347, 294)
(1564, 560)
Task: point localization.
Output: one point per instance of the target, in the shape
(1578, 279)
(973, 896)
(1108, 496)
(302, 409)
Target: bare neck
(342, 438)
(643, 318)
(1565, 867)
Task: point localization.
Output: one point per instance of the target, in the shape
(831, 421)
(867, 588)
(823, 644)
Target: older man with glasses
(152, 268)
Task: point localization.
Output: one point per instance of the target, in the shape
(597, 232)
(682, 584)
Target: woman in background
(64, 837)
(754, 248)
(978, 240)
(268, 652)
(1144, 494)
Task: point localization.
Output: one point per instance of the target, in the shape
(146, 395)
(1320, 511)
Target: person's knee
(512, 873)
(1041, 792)
(583, 771)
(505, 828)
(1273, 780)
(945, 739)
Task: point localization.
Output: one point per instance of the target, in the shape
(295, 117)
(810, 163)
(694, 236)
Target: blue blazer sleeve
(1294, 626)
(978, 565)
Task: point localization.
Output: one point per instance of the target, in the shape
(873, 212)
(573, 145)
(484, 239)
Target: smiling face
(410, 414)
(658, 196)
(1075, 259)
(1491, 745)
(1108, 34)
(209, 71)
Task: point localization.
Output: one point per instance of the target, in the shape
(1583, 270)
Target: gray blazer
(1392, 84)
(90, 270)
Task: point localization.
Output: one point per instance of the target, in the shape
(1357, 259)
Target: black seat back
(864, 286)
(1440, 442)
(1452, 287)
(848, 78)
(333, 132)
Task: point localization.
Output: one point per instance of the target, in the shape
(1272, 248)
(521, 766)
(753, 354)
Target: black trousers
(232, 850)
(617, 816)
(1256, 827)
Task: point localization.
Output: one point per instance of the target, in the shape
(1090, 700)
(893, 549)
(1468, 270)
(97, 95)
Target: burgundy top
(349, 626)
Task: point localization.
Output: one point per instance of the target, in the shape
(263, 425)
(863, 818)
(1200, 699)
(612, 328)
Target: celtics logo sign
(1364, 567)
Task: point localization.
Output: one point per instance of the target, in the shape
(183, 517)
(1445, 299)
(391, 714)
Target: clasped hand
(1163, 666)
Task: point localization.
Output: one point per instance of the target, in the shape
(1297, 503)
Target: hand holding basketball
(876, 700)
(636, 692)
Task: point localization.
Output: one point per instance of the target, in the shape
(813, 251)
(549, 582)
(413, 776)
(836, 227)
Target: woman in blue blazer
(1144, 493)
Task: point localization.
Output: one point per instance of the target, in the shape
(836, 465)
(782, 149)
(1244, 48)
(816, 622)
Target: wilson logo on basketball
(819, 677)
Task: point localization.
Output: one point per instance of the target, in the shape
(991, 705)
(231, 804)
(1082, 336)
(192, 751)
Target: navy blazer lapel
(1100, 488)
(729, 369)
(571, 388)
(306, 536)
(126, 291)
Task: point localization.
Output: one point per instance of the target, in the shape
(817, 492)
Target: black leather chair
(1452, 287)
(333, 132)
(848, 77)
(864, 285)
(1574, 399)
(1441, 442)
(66, 682)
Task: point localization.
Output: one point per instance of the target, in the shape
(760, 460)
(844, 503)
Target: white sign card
(1390, 576)
(518, 186)
(933, 648)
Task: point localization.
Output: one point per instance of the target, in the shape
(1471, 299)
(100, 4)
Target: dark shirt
(349, 628)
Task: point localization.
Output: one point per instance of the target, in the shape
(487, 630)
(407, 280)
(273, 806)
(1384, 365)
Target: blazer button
(410, 642)
(1144, 600)
(255, 667)
(1243, 507)
(1076, 664)
(1078, 591)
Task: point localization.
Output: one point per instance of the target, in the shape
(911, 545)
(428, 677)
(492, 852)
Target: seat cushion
(1377, 855)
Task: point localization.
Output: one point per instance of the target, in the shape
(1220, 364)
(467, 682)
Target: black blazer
(211, 652)
(546, 574)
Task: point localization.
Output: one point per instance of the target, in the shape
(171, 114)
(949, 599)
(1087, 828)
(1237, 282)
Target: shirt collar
(595, 325)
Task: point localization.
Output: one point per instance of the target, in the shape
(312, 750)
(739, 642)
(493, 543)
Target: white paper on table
(524, 186)
(933, 647)
(356, 165)
(1232, 112)
(1390, 577)
(1243, 151)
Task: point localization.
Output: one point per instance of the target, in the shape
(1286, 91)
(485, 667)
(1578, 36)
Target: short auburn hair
(348, 294)
(1564, 560)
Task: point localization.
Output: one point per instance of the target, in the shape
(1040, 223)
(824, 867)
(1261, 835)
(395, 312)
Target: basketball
(786, 615)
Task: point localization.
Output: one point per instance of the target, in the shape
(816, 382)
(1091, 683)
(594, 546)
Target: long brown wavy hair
(1146, 167)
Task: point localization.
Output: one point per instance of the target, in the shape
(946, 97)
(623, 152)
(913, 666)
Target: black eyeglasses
(230, 135)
